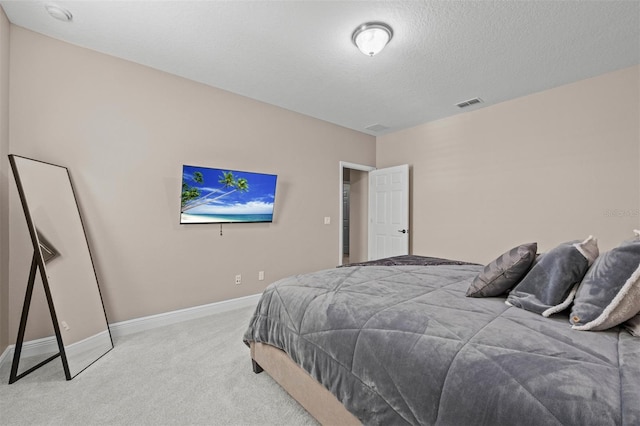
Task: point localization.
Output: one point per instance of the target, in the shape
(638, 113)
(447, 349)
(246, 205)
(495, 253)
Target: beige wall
(550, 167)
(4, 181)
(124, 131)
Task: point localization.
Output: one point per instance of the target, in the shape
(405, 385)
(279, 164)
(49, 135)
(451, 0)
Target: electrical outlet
(327, 220)
(65, 325)
(238, 279)
(261, 276)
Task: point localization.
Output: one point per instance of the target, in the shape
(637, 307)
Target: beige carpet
(195, 372)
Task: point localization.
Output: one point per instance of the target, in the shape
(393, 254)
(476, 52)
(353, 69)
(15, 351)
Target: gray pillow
(550, 285)
(503, 273)
(610, 292)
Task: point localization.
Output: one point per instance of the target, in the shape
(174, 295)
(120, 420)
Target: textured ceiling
(298, 54)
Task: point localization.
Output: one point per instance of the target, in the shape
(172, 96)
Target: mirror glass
(54, 221)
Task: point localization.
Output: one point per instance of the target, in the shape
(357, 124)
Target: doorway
(346, 205)
(353, 229)
(373, 213)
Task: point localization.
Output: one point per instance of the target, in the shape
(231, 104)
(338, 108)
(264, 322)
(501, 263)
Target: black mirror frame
(38, 263)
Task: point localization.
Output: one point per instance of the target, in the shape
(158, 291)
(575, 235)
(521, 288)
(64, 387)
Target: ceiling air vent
(376, 127)
(469, 102)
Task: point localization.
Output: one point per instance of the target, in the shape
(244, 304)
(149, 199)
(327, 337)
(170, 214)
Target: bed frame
(314, 397)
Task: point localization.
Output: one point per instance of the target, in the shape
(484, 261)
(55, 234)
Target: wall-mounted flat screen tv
(224, 196)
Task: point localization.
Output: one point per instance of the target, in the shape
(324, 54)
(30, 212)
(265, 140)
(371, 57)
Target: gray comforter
(402, 344)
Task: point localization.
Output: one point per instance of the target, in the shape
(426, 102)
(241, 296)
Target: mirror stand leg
(23, 321)
(14, 376)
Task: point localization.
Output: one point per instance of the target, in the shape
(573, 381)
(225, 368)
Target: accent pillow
(610, 292)
(633, 325)
(503, 273)
(551, 284)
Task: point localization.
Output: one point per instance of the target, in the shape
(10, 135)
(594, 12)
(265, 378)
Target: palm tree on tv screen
(191, 192)
(192, 198)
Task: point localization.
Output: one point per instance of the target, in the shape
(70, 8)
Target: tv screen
(224, 196)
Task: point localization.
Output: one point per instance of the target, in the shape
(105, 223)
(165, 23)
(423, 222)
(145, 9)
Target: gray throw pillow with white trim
(610, 292)
(502, 274)
(550, 286)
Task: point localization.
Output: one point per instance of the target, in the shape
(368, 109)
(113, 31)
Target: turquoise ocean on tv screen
(234, 217)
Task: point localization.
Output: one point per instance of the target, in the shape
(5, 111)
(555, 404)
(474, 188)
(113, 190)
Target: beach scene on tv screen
(221, 196)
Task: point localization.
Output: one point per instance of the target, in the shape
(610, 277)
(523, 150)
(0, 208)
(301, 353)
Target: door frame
(354, 166)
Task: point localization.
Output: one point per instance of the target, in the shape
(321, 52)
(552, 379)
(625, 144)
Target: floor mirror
(61, 254)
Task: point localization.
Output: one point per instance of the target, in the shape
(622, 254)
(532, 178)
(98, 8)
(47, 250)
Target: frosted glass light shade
(372, 37)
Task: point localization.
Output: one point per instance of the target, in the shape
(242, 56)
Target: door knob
(404, 231)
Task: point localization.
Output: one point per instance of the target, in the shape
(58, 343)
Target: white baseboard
(124, 328)
(35, 347)
(5, 354)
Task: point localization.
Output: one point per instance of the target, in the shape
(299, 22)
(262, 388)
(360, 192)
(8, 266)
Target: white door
(389, 212)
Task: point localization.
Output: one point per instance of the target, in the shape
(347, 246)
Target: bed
(397, 342)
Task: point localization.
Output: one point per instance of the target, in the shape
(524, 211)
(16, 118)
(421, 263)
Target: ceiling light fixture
(372, 37)
(58, 12)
